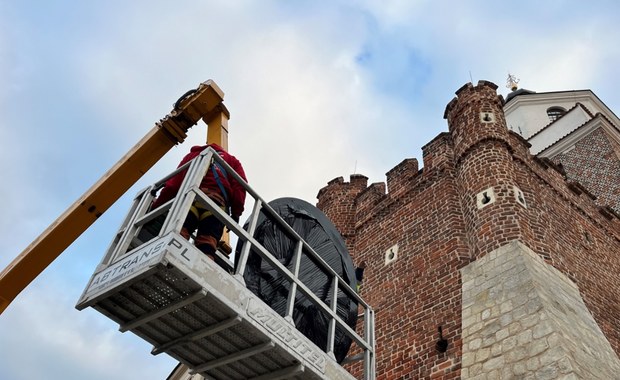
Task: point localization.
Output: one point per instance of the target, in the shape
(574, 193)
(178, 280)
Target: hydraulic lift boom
(203, 103)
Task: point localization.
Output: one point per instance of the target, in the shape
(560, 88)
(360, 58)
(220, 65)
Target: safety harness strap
(215, 167)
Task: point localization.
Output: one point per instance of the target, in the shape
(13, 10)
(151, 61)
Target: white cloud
(49, 339)
(295, 99)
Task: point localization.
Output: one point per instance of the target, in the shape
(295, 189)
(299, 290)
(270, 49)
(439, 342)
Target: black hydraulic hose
(177, 104)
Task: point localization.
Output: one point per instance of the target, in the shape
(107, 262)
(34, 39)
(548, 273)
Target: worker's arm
(172, 186)
(205, 102)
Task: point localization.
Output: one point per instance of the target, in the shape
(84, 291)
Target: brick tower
(484, 166)
(487, 263)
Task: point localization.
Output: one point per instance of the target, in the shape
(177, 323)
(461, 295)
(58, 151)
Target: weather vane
(512, 82)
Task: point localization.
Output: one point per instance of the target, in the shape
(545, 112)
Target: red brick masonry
(433, 217)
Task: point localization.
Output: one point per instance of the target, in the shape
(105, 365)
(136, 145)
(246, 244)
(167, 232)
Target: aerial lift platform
(159, 286)
(156, 284)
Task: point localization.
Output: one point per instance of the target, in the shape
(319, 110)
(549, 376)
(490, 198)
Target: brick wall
(595, 163)
(420, 290)
(434, 220)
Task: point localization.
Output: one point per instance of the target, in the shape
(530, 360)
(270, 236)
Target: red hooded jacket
(235, 193)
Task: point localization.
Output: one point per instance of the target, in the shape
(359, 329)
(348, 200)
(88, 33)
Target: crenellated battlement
(400, 176)
(438, 153)
(406, 177)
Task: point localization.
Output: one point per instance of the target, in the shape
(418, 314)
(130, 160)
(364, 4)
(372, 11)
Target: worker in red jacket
(222, 188)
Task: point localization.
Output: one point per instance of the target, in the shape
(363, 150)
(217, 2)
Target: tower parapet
(475, 115)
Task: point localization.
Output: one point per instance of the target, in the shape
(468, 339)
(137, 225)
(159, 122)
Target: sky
(316, 90)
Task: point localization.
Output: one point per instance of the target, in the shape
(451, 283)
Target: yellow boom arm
(203, 103)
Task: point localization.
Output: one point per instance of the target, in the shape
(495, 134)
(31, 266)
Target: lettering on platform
(124, 268)
(174, 243)
(287, 334)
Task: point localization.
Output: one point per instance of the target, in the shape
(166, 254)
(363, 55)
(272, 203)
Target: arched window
(555, 113)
